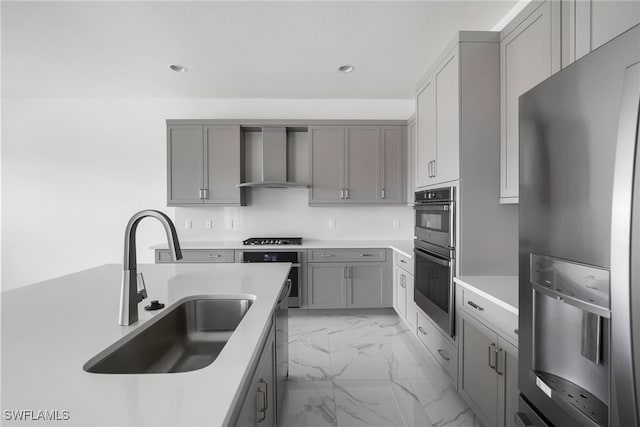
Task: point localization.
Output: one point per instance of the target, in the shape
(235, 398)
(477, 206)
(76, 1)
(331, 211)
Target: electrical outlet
(187, 224)
(229, 223)
(208, 224)
(396, 223)
(332, 223)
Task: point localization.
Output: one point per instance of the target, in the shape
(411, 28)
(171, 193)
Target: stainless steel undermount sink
(185, 338)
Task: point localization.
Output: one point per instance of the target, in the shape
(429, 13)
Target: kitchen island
(51, 329)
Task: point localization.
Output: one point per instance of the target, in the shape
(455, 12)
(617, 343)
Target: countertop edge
(465, 283)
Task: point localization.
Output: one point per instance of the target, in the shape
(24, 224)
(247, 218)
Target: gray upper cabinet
(222, 165)
(530, 48)
(362, 165)
(438, 113)
(359, 164)
(587, 25)
(426, 134)
(203, 165)
(185, 165)
(410, 160)
(393, 174)
(326, 166)
(457, 112)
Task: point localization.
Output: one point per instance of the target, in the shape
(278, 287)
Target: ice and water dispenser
(571, 333)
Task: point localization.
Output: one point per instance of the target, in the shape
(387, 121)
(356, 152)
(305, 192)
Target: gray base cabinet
(403, 290)
(488, 373)
(259, 404)
(488, 376)
(350, 283)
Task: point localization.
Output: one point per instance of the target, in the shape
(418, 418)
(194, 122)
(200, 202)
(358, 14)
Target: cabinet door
(411, 160)
(399, 292)
(392, 170)
(402, 293)
(508, 381)
(362, 159)
(411, 310)
(326, 164)
(222, 164)
(611, 18)
(447, 164)
(478, 378)
(326, 285)
(367, 286)
(528, 54)
(426, 134)
(184, 165)
(258, 406)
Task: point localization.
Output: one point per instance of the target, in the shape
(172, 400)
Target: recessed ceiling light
(345, 68)
(177, 68)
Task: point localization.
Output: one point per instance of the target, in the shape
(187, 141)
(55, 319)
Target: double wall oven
(435, 255)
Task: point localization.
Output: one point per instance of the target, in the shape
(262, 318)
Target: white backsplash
(284, 212)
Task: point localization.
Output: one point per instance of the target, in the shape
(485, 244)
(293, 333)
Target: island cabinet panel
(529, 53)
(185, 165)
(259, 403)
(203, 165)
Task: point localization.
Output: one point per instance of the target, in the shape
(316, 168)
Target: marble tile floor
(363, 368)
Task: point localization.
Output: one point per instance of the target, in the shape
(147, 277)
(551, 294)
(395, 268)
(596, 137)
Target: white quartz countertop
(502, 290)
(403, 246)
(50, 329)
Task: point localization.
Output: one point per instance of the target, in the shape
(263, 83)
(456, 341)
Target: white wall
(284, 212)
(75, 170)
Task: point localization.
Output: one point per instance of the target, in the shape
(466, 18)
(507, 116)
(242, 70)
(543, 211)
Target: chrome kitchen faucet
(130, 297)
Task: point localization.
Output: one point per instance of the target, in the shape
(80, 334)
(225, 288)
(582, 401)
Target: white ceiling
(233, 49)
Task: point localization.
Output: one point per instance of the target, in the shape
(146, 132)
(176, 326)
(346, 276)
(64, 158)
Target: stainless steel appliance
(435, 255)
(579, 272)
(275, 241)
(294, 258)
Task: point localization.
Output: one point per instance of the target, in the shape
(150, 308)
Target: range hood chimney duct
(274, 160)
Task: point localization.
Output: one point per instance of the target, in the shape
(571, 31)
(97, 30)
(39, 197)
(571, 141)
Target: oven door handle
(442, 205)
(286, 292)
(427, 255)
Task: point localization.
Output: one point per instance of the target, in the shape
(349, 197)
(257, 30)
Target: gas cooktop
(273, 241)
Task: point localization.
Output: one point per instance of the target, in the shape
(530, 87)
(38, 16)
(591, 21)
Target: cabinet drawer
(444, 351)
(403, 262)
(349, 255)
(490, 313)
(196, 255)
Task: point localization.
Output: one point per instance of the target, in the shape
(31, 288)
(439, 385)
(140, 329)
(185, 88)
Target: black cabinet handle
(474, 305)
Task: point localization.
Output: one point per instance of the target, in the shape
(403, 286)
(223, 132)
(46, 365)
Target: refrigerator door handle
(624, 374)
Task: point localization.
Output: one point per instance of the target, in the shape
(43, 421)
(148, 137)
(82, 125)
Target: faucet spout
(129, 295)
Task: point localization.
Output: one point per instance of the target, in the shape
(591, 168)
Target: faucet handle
(142, 294)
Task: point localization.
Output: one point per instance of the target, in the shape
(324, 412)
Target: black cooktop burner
(273, 241)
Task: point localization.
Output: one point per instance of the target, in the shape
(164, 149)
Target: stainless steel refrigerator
(579, 259)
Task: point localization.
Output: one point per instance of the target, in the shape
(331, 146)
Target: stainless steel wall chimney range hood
(274, 160)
